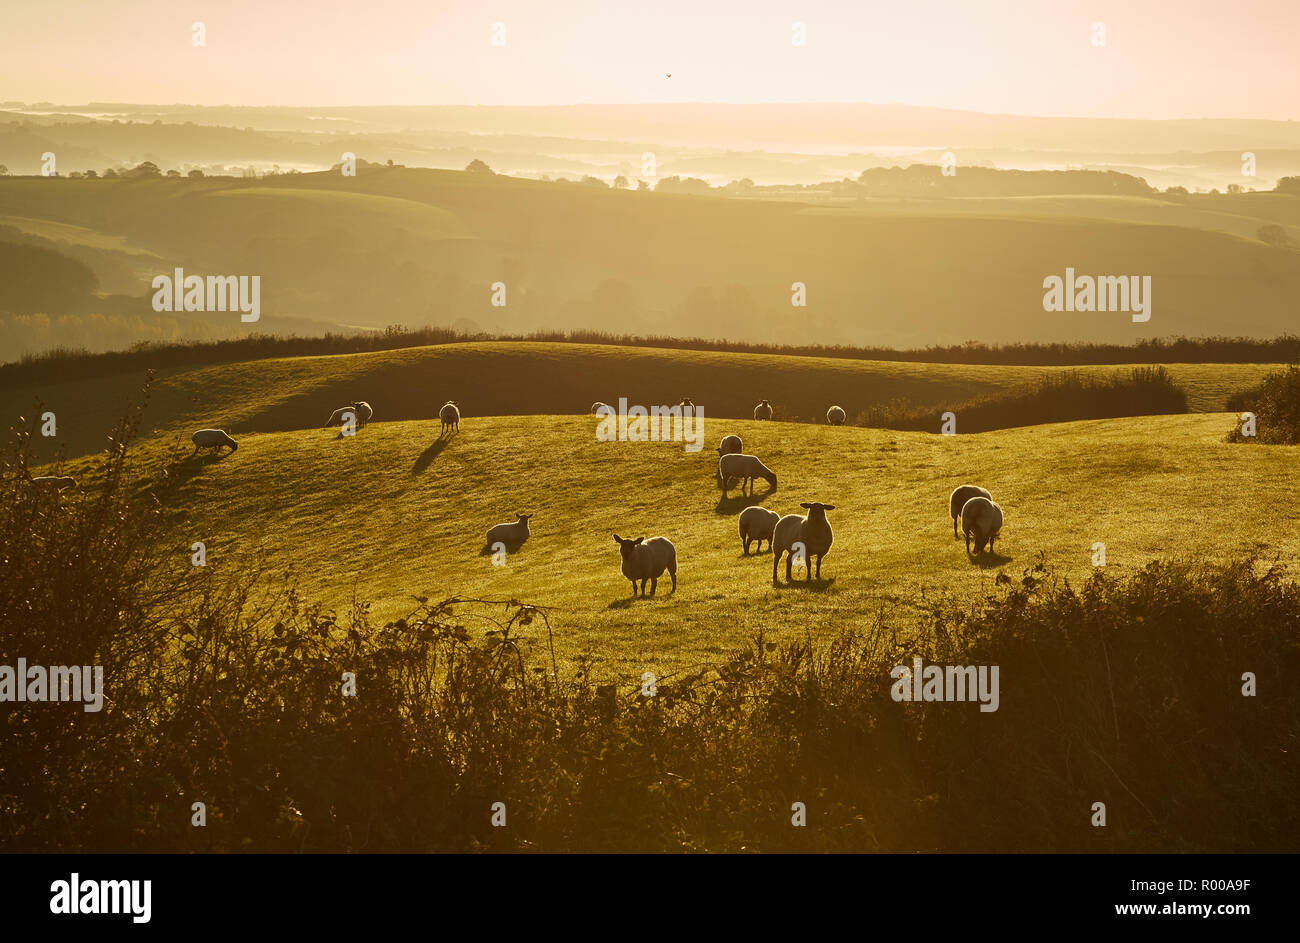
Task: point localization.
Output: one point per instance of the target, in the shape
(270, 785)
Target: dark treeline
(59, 363)
(1063, 397)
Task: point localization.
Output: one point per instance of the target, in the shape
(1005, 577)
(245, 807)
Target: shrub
(1276, 405)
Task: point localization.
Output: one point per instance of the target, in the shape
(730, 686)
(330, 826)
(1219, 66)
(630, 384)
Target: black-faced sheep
(763, 410)
(835, 416)
(981, 519)
(646, 560)
(511, 534)
(958, 499)
(730, 445)
(812, 532)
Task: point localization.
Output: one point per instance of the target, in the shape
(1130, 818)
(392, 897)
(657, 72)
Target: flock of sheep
(794, 536)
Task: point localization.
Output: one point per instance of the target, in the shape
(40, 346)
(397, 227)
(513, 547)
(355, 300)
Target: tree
(591, 181)
(195, 174)
(173, 173)
(1274, 235)
(642, 185)
(92, 175)
(477, 166)
(1288, 185)
(621, 183)
(4, 171)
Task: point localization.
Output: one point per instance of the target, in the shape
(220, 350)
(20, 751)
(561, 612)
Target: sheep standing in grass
(763, 410)
(598, 406)
(745, 467)
(47, 485)
(835, 416)
(511, 534)
(213, 439)
(360, 412)
(450, 415)
(730, 445)
(813, 533)
(363, 411)
(757, 523)
(958, 499)
(646, 560)
(688, 408)
(981, 519)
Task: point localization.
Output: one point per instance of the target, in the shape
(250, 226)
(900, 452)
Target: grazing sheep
(597, 406)
(512, 535)
(746, 468)
(688, 408)
(646, 560)
(813, 531)
(361, 413)
(763, 410)
(958, 499)
(213, 439)
(46, 485)
(450, 415)
(730, 445)
(757, 523)
(982, 519)
(835, 416)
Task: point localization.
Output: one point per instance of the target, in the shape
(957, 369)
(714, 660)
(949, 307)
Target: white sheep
(46, 485)
(763, 410)
(757, 523)
(835, 416)
(688, 408)
(511, 534)
(958, 499)
(812, 532)
(981, 519)
(450, 415)
(361, 413)
(646, 560)
(730, 445)
(745, 467)
(214, 439)
(598, 406)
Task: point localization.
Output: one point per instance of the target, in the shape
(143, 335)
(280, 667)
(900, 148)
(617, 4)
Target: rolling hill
(520, 378)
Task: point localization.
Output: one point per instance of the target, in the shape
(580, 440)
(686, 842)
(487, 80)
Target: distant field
(510, 378)
(393, 513)
(425, 246)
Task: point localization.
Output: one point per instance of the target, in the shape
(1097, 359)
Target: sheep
(730, 445)
(835, 416)
(213, 439)
(958, 499)
(813, 532)
(688, 408)
(646, 560)
(511, 534)
(763, 410)
(450, 415)
(46, 485)
(982, 519)
(598, 406)
(361, 413)
(757, 523)
(745, 467)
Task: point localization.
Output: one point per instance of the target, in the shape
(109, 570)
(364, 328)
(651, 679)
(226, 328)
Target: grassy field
(396, 511)
(508, 378)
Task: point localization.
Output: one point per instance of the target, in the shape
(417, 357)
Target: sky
(1161, 58)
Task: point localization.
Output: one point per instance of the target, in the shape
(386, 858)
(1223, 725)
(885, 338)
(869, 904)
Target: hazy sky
(1162, 58)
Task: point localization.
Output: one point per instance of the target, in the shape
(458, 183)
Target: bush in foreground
(1276, 405)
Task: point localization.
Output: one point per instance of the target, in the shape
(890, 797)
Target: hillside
(424, 246)
(396, 511)
(518, 378)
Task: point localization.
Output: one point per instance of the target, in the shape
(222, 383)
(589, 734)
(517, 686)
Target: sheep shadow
(432, 452)
(989, 560)
(813, 586)
(738, 503)
(511, 549)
